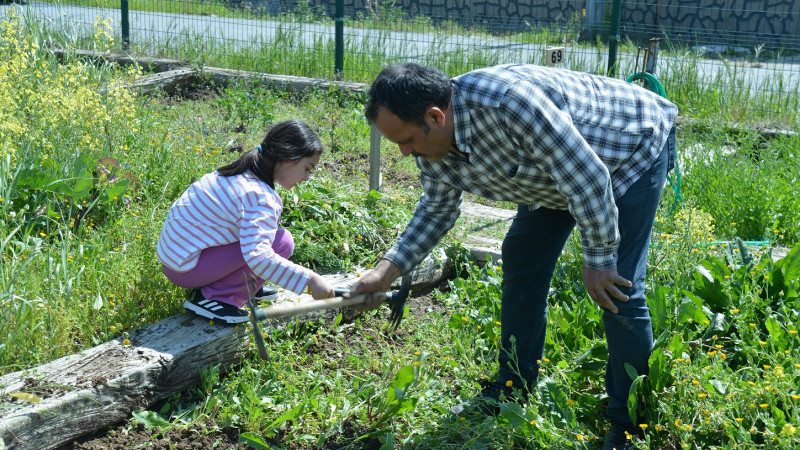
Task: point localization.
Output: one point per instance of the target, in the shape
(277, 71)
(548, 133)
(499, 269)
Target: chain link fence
(739, 61)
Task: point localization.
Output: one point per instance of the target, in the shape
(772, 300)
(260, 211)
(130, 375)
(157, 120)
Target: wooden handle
(295, 309)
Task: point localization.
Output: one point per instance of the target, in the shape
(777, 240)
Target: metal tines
(397, 301)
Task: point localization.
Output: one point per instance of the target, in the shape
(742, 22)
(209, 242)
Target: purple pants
(222, 274)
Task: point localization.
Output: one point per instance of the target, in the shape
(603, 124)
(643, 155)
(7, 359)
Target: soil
(126, 435)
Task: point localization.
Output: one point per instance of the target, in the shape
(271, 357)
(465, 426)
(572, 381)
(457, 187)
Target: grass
(78, 269)
(689, 75)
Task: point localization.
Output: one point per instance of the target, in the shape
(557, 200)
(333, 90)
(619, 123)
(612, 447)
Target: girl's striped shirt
(218, 210)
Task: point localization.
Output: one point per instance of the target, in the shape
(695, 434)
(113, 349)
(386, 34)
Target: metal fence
(742, 59)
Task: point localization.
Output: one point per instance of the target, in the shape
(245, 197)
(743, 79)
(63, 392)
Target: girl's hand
(319, 287)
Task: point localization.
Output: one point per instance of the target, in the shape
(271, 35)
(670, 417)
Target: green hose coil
(655, 86)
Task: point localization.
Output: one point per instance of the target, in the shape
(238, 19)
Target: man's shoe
(488, 402)
(266, 293)
(216, 310)
(620, 437)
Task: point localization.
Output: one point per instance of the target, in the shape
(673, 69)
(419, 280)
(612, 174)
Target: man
(569, 148)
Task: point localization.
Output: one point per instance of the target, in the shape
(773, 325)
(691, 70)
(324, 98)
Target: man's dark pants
(530, 252)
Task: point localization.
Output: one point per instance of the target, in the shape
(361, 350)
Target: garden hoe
(395, 299)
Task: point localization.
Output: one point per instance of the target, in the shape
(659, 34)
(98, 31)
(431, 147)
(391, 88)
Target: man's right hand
(377, 280)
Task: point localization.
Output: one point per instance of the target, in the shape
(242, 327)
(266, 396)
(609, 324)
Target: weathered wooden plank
(82, 393)
(146, 63)
(86, 391)
(171, 82)
(286, 82)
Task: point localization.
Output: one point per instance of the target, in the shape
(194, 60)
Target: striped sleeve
(435, 214)
(258, 225)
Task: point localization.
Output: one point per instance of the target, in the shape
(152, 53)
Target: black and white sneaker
(266, 293)
(216, 310)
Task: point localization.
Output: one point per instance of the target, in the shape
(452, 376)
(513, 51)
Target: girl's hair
(291, 140)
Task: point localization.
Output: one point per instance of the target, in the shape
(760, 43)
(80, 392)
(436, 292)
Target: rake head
(397, 301)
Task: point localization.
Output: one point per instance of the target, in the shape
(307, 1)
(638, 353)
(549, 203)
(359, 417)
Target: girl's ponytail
(291, 140)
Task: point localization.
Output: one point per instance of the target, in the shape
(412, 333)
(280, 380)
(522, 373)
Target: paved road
(170, 29)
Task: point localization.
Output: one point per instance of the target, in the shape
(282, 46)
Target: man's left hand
(602, 285)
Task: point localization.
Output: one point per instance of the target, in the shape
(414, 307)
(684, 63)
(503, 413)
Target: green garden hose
(654, 85)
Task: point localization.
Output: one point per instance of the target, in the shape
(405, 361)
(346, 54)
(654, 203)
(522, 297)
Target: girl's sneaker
(266, 293)
(216, 310)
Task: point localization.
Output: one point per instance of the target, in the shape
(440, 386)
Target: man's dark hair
(291, 140)
(407, 90)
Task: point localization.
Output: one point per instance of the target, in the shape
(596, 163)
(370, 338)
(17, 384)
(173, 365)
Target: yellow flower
(764, 405)
(643, 426)
(416, 363)
(509, 383)
(126, 342)
(739, 419)
(570, 402)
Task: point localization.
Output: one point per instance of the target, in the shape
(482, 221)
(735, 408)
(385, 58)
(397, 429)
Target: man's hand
(601, 283)
(377, 280)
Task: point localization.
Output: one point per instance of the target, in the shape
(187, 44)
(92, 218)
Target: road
(173, 29)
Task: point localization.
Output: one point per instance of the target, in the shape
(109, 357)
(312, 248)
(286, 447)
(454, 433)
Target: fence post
(613, 38)
(594, 17)
(374, 159)
(339, 44)
(125, 24)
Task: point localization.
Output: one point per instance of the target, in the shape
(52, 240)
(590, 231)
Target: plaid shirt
(543, 137)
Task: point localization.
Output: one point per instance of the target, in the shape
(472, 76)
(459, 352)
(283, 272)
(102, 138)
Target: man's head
(407, 90)
(410, 106)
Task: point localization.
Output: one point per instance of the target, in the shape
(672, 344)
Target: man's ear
(435, 116)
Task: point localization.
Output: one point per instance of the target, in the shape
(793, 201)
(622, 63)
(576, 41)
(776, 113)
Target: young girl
(222, 234)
